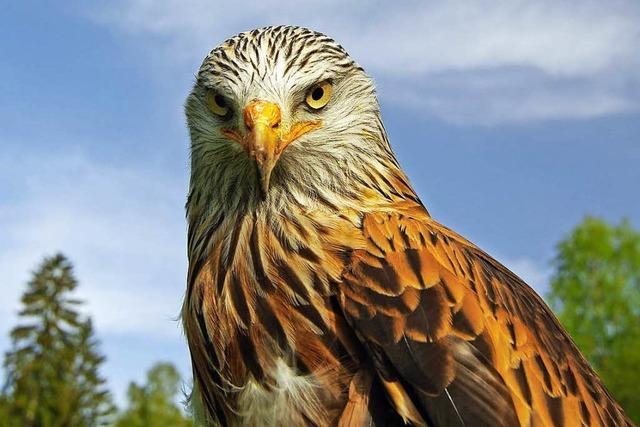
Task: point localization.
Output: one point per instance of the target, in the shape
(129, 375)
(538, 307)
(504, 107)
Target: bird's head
(280, 114)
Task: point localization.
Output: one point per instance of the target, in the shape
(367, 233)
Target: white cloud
(466, 62)
(124, 230)
(120, 227)
(513, 95)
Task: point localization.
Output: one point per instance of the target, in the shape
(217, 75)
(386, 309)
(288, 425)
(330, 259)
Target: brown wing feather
(458, 339)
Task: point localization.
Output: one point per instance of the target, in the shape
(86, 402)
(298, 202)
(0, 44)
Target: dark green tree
(595, 292)
(52, 367)
(153, 404)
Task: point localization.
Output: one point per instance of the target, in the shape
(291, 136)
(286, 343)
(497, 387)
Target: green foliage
(52, 367)
(596, 294)
(153, 404)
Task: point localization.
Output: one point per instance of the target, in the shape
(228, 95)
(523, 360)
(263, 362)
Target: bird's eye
(217, 104)
(318, 96)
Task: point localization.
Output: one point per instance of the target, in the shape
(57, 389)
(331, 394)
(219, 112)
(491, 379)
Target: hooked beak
(265, 139)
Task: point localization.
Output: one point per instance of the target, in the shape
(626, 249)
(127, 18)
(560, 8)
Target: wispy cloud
(465, 62)
(119, 226)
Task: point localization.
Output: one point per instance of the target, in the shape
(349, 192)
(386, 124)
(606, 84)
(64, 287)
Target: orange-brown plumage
(468, 302)
(321, 292)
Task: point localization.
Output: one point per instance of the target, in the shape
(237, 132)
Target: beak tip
(264, 178)
(264, 187)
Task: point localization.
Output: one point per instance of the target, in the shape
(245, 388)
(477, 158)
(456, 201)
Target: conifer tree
(91, 399)
(52, 367)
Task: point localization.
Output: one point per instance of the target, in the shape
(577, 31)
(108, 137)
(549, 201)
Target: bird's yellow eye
(318, 96)
(217, 103)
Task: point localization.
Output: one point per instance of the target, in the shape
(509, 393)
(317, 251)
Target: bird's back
(462, 337)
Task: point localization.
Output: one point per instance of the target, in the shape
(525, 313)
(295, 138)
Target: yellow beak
(262, 142)
(265, 140)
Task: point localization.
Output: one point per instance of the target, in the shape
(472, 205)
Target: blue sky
(514, 120)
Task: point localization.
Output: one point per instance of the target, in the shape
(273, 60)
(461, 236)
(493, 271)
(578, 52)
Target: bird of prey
(320, 290)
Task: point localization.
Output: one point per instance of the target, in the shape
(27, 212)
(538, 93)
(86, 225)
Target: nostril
(261, 113)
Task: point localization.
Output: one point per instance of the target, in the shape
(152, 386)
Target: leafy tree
(52, 374)
(153, 404)
(596, 293)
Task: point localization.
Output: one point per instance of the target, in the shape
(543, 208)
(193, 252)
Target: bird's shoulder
(458, 336)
